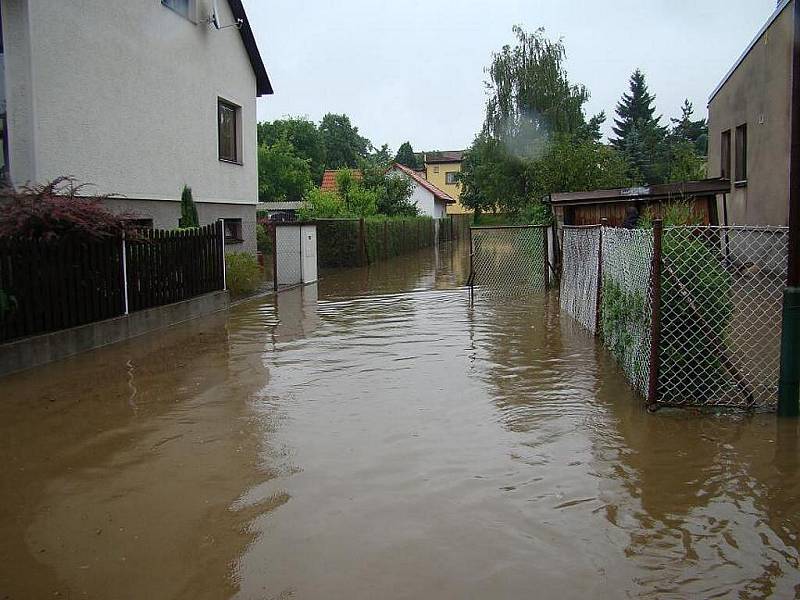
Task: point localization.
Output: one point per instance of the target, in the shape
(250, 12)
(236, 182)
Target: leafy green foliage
(688, 130)
(242, 273)
(303, 135)
(282, 175)
(393, 192)
(322, 204)
(530, 96)
(405, 156)
(263, 239)
(621, 314)
(344, 146)
(188, 210)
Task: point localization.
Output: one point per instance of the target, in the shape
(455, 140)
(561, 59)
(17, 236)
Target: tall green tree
(344, 146)
(687, 129)
(188, 209)
(406, 156)
(530, 96)
(282, 175)
(639, 135)
(303, 135)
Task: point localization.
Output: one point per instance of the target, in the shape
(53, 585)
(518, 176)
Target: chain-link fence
(580, 252)
(625, 309)
(705, 300)
(721, 293)
(508, 260)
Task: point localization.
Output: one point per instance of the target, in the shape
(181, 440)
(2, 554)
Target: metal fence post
(274, 234)
(655, 321)
(599, 295)
(125, 302)
(546, 232)
(222, 252)
(362, 243)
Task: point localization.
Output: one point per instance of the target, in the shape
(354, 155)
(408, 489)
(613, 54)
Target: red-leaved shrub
(59, 210)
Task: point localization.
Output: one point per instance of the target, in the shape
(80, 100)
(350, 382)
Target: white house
(138, 98)
(431, 201)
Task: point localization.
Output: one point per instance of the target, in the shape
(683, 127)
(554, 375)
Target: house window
(228, 117)
(450, 177)
(233, 231)
(185, 8)
(725, 155)
(741, 154)
(435, 168)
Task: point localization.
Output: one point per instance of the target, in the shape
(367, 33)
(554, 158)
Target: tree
(407, 157)
(303, 135)
(343, 144)
(640, 137)
(188, 210)
(530, 96)
(685, 163)
(393, 192)
(689, 130)
(282, 175)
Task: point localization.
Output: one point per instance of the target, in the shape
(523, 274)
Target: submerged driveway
(377, 436)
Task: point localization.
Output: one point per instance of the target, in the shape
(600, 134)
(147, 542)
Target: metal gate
(509, 259)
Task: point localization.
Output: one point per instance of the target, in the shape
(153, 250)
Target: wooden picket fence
(47, 285)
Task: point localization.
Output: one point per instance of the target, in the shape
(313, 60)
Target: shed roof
(781, 5)
(437, 193)
(263, 85)
(664, 191)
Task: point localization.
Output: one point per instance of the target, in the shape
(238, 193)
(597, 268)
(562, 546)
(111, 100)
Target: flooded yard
(377, 436)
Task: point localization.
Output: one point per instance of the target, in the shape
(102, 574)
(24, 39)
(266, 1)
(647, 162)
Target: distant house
(431, 201)
(329, 179)
(137, 98)
(441, 168)
(749, 127)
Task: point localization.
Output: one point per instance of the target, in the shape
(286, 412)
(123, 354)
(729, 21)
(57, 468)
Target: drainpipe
(789, 384)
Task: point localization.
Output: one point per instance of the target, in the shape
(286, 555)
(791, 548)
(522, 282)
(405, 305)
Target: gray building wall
(758, 93)
(123, 95)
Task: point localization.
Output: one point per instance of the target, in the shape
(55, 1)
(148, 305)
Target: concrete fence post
(221, 226)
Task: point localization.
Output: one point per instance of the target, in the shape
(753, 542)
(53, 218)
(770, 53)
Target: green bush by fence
(354, 242)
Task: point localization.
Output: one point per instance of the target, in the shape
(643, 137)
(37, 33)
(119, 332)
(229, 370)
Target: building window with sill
(741, 155)
(233, 231)
(185, 8)
(725, 155)
(229, 124)
(450, 177)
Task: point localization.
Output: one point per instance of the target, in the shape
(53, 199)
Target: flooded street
(376, 436)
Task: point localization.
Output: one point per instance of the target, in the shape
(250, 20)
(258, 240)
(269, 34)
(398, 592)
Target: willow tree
(530, 96)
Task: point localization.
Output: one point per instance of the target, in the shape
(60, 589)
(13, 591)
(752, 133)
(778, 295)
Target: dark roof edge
(653, 192)
(263, 85)
(783, 4)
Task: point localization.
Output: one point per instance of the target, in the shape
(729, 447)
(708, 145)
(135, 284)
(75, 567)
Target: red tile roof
(437, 193)
(329, 179)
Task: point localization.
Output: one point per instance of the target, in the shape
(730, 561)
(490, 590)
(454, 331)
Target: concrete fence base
(41, 349)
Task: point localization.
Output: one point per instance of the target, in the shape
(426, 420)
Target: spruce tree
(188, 210)
(640, 137)
(405, 156)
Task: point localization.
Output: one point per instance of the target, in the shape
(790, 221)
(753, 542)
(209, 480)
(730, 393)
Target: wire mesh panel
(721, 315)
(508, 260)
(579, 271)
(625, 308)
(288, 257)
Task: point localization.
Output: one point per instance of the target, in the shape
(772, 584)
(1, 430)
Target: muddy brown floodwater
(378, 437)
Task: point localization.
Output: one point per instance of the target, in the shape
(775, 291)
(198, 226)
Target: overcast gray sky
(414, 70)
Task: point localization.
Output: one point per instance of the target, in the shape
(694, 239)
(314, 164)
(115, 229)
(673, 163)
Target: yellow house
(440, 170)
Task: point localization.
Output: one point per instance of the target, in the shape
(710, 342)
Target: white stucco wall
(123, 94)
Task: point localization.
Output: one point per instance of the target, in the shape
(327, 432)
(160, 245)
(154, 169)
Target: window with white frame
(450, 177)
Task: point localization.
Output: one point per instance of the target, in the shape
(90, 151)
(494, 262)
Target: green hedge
(340, 242)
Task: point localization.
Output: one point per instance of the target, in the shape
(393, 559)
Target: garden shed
(588, 208)
(295, 253)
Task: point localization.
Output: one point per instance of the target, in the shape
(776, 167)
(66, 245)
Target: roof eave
(263, 84)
